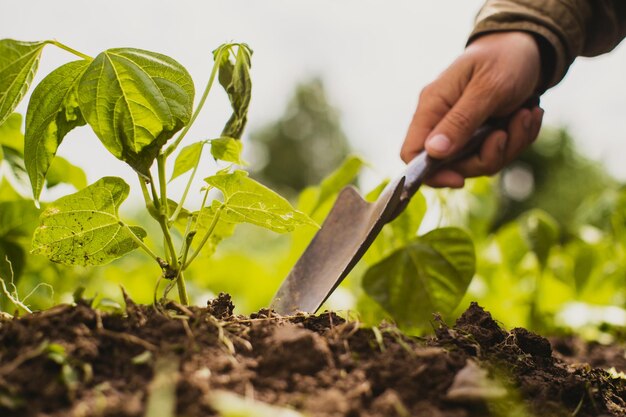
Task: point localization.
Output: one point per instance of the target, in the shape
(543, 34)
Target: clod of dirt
(531, 343)
(221, 307)
(478, 323)
(293, 349)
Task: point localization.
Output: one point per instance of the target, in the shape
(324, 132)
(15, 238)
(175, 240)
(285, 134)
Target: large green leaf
(84, 228)
(52, 112)
(222, 230)
(312, 198)
(235, 78)
(18, 65)
(12, 148)
(11, 135)
(63, 172)
(251, 202)
(135, 101)
(429, 275)
(401, 231)
(187, 159)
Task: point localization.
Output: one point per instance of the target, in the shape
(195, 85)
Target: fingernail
(526, 120)
(439, 143)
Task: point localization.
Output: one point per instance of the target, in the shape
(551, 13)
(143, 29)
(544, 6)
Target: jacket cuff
(554, 59)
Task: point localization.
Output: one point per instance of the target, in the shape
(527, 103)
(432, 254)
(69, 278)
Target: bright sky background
(374, 56)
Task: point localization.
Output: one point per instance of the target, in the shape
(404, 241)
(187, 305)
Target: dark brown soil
(76, 361)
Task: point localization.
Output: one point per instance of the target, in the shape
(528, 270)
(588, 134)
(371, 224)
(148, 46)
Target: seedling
(140, 104)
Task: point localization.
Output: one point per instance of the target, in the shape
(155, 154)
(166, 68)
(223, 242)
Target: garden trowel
(353, 224)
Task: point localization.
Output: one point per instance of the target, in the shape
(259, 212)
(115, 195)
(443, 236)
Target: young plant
(136, 101)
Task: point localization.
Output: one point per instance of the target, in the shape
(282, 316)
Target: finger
(434, 103)
(446, 178)
(494, 155)
(523, 130)
(496, 152)
(490, 159)
(430, 110)
(537, 121)
(520, 133)
(455, 129)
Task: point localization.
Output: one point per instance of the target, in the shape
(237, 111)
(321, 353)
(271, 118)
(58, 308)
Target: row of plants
(140, 105)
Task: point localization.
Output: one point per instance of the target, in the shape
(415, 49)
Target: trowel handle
(423, 166)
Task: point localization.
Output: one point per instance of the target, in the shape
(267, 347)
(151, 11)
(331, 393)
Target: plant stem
(139, 242)
(182, 288)
(163, 185)
(146, 197)
(184, 197)
(206, 236)
(205, 94)
(164, 222)
(155, 194)
(71, 50)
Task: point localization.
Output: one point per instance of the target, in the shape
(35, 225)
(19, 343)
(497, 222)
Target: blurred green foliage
(552, 176)
(304, 145)
(558, 244)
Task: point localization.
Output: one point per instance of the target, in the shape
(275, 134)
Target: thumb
(457, 126)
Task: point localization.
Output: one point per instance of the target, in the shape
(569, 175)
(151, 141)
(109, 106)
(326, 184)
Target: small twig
(187, 329)
(132, 339)
(125, 337)
(13, 298)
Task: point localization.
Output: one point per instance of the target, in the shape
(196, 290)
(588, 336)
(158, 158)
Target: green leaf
(401, 231)
(11, 133)
(18, 219)
(541, 233)
(187, 159)
(12, 260)
(429, 275)
(84, 228)
(331, 185)
(8, 192)
(227, 150)
(63, 172)
(18, 65)
(52, 112)
(15, 160)
(223, 229)
(251, 202)
(135, 101)
(235, 78)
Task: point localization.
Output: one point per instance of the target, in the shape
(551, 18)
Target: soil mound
(77, 361)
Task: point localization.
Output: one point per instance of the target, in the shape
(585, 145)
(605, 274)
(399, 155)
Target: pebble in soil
(76, 361)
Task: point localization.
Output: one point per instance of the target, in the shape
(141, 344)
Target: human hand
(493, 77)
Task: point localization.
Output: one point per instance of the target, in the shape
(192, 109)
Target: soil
(77, 361)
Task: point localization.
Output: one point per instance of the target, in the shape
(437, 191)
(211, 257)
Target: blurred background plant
(303, 146)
